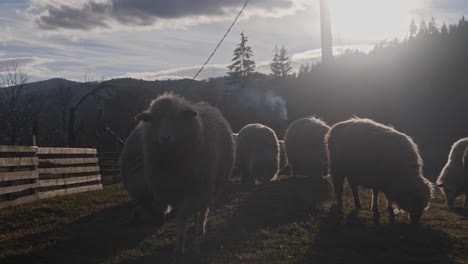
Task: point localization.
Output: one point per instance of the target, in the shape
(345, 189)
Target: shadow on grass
(242, 213)
(347, 239)
(281, 202)
(107, 237)
(461, 211)
(89, 240)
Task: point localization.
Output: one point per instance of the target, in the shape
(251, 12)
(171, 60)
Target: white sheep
(132, 171)
(188, 156)
(453, 177)
(378, 157)
(257, 154)
(305, 148)
(283, 159)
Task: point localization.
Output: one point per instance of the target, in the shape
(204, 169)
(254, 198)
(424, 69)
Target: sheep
(257, 153)
(378, 157)
(131, 169)
(283, 160)
(465, 169)
(188, 153)
(453, 177)
(305, 148)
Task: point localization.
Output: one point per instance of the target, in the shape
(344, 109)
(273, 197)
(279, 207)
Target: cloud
(219, 70)
(456, 6)
(211, 70)
(25, 62)
(316, 54)
(448, 11)
(90, 14)
(31, 66)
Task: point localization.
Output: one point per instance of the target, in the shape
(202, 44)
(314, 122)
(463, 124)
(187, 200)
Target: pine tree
(462, 22)
(444, 29)
(275, 65)
(432, 27)
(413, 29)
(422, 28)
(242, 65)
(303, 70)
(281, 65)
(285, 62)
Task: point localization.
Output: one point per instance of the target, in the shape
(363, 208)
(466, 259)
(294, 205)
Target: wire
(217, 46)
(114, 134)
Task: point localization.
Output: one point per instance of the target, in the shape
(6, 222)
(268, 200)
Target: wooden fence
(109, 162)
(30, 173)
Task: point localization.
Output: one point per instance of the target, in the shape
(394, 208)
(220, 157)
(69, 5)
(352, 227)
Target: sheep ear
(440, 185)
(144, 116)
(188, 114)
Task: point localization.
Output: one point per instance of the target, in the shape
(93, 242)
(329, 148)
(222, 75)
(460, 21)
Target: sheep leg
(243, 178)
(338, 187)
(357, 202)
(466, 200)
(180, 233)
(202, 220)
(391, 213)
(196, 221)
(293, 173)
(451, 200)
(375, 205)
(252, 179)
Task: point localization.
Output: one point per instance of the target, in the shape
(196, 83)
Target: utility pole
(326, 32)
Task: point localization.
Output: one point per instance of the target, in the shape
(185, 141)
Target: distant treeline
(419, 85)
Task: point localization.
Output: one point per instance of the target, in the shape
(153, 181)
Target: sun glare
(370, 19)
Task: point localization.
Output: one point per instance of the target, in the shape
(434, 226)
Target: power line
(217, 46)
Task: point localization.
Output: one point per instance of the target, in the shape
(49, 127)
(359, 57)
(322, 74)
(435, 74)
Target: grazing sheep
(465, 168)
(453, 177)
(283, 160)
(257, 153)
(378, 157)
(305, 148)
(188, 156)
(132, 171)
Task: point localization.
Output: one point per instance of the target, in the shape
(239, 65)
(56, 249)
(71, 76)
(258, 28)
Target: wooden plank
(68, 170)
(44, 151)
(17, 188)
(18, 149)
(109, 159)
(20, 200)
(113, 164)
(66, 181)
(67, 191)
(108, 153)
(19, 161)
(67, 161)
(110, 170)
(19, 175)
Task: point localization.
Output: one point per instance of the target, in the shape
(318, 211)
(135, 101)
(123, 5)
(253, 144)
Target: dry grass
(287, 221)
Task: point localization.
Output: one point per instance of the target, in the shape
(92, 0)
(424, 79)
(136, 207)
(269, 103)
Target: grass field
(287, 221)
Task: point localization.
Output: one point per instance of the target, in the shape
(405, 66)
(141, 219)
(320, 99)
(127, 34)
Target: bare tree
(17, 102)
(98, 91)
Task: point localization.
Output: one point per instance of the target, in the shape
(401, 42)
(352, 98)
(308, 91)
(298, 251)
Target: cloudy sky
(160, 39)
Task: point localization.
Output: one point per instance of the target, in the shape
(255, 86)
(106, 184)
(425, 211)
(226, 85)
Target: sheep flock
(181, 155)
